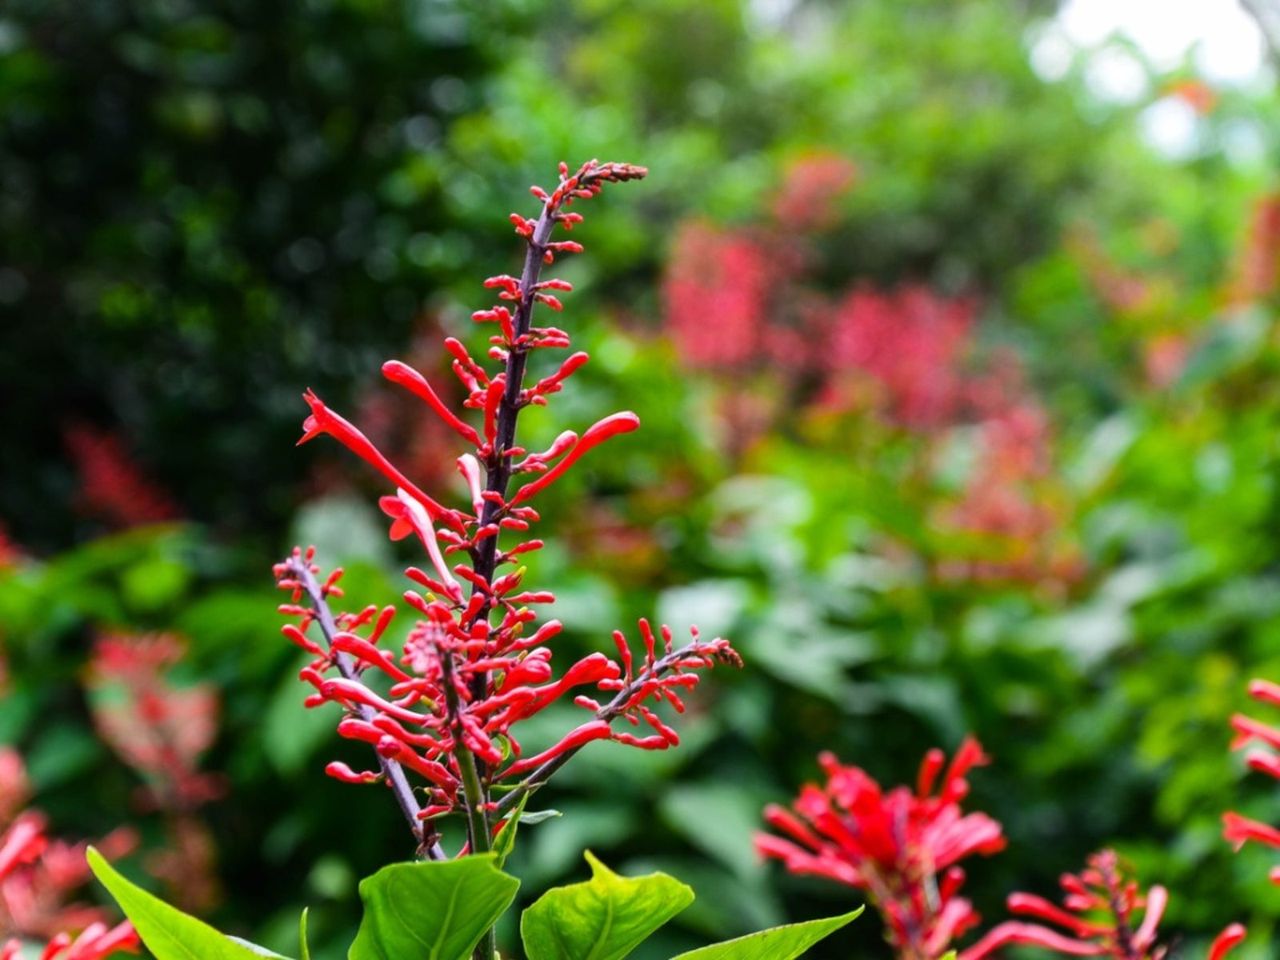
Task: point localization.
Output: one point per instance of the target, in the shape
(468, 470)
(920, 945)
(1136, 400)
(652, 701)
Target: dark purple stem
(427, 839)
(609, 712)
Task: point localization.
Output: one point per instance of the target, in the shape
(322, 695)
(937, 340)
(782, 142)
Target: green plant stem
(474, 796)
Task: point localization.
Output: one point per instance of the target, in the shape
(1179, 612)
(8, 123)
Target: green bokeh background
(207, 207)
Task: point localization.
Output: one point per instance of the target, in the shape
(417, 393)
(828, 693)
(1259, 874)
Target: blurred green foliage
(206, 207)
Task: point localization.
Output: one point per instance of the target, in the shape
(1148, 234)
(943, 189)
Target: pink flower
(902, 846)
(1099, 917)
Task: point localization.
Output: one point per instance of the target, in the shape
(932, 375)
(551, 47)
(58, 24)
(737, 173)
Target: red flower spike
(467, 674)
(1098, 916)
(893, 844)
(39, 873)
(1236, 829)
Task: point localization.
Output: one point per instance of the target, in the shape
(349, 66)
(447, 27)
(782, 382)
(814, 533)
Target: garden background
(954, 340)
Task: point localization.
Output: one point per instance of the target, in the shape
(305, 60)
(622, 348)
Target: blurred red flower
(901, 846)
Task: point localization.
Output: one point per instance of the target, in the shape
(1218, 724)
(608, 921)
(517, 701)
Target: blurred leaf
(780, 943)
(168, 932)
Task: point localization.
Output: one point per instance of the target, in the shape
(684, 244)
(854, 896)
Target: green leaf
(539, 816)
(302, 935)
(779, 943)
(437, 910)
(169, 933)
(604, 918)
(505, 841)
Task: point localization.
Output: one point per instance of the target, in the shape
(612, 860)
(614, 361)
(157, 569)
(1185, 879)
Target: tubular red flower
(579, 736)
(1226, 941)
(611, 426)
(324, 420)
(417, 384)
(1011, 932)
(1101, 904)
(1239, 830)
(893, 844)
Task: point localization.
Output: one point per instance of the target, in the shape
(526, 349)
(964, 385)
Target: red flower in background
(1258, 265)
(161, 730)
(10, 553)
(1098, 918)
(716, 297)
(1195, 93)
(909, 344)
(113, 488)
(902, 846)
(810, 188)
(37, 875)
(1250, 732)
(746, 306)
(1010, 509)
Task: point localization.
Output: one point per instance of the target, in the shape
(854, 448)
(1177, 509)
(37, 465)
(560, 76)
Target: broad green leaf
(779, 943)
(436, 910)
(302, 935)
(604, 918)
(169, 933)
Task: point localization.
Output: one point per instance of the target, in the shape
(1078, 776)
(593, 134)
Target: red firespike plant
(1098, 918)
(902, 846)
(38, 872)
(476, 662)
(1237, 829)
(159, 729)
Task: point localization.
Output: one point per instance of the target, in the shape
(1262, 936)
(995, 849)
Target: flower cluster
(476, 662)
(813, 182)
(727, 276)
(1010, 512)
(37, 872)
(907, 347)
(162, 730)
(1237, 829)
(902, 846)
(159, 729)
(905, 359)
(1098, 918)
(113, 488)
